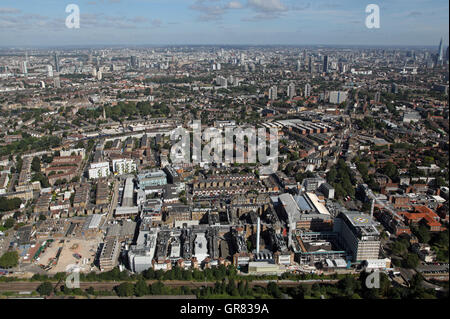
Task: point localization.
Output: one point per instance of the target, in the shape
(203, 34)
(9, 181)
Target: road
(114, 199)
(11, 182)
(113, 203)
(18, 286)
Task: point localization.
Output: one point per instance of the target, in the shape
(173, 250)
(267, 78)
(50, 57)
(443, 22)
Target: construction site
(62, 254)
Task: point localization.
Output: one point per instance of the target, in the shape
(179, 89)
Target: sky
(32, 23)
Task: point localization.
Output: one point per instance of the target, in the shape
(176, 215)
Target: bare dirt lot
(85, 248)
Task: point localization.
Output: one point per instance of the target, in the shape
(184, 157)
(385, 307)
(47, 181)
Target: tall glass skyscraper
(440, 52)
(325, 63)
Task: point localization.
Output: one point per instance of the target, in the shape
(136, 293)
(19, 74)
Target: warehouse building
(127, 208)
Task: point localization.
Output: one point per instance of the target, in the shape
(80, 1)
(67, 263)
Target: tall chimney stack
(258, 233)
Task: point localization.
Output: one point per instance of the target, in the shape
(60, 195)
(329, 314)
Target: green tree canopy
(9, 259)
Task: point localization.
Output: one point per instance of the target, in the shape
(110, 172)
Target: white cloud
(214, 9)
(267, 5)
(156, 23)
(9, 10)
(234, 5)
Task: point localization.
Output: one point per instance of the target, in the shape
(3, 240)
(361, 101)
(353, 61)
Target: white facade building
(337, 97)
(124, 166)
(200, 247)
(98, 170)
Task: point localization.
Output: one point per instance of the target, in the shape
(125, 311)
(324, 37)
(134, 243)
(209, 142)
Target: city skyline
(223, 22)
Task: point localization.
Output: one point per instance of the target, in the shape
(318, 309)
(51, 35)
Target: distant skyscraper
(440, 56)
(56, 62)
(342, 67)
(325, 63)
(310, 65)
(242, 58)
(307, 90)
(291, 90)
(49, 71)
(134, 61)
(273, 95)
(394, 88)
(24, 67)
(57, 82)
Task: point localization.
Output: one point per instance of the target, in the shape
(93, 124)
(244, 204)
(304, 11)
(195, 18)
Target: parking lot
(434, 268)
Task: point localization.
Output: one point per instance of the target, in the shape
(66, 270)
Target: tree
(187, 275)
(231, 286)
(274, 290)
(80, 144)
(411, 261)
(348, 284)
(39, 177)
(36, 164)
(390, 170)
(423, 234)
(294, 156)
(156, 288)
(398, 248)
(9, 204)
(241, 288)
(141, 288)
(9, 259)
(125, 289)
(90, 290)
(149, 274)
(45, 289)
(9, 223)
(76, 179)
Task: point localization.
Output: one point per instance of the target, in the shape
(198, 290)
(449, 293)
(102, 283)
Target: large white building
(337, 97)
(291, 90)
(358, 233)
(140, 256)
(200, 247)
(307, 90)
(273, 93)
(124, 166)
(98, 170)
(221, 81)
(77, 151)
